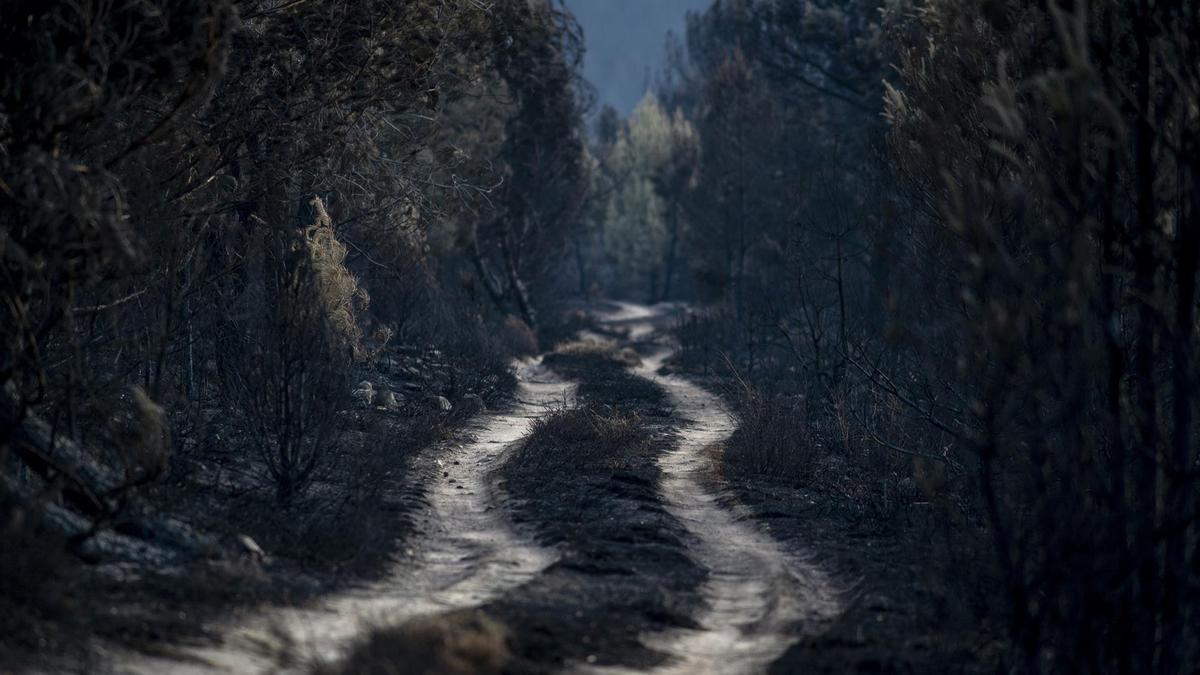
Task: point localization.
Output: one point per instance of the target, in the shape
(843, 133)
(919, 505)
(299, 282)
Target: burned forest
(599, 336)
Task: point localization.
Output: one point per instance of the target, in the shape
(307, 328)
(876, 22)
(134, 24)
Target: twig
(105, 307)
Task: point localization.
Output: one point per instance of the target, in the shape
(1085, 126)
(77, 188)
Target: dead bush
(774, 438)
(331, 284)
(286, 369)
(517, 338)
(141, 434)
(578, 437)
(447, 321)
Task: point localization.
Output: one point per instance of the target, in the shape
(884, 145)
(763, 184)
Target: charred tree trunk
(1179, 498)
(517, 285)
(672, 249)
(1145, 467)
(490, 284)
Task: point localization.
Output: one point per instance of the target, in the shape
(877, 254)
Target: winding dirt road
(757, 595)
(757, 600)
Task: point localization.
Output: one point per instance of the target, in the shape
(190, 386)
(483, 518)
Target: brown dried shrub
(466, 642)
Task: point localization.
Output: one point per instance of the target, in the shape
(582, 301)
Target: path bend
(758, 596)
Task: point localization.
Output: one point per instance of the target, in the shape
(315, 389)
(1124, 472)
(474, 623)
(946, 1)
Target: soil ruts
(587, 482)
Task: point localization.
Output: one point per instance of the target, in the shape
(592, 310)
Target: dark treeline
(949, 246)
(958, 241)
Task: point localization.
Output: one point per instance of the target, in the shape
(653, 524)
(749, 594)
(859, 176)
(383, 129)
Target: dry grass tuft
(142, 434)
(335, 288)
(460, 643)
(578, 436)
(600, 349)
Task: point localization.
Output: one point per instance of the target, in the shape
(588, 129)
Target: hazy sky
(625, 41)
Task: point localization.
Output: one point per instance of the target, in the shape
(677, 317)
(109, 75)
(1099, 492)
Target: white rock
(251, 549)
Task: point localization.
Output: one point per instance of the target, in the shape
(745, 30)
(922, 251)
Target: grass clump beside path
(467, 642)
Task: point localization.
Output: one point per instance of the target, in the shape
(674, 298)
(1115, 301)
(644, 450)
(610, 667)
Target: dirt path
(468, 554)
(753, 600)
(757, 595)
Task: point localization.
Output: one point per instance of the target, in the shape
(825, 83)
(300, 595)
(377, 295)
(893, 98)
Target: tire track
(758, 597)
(468, 554)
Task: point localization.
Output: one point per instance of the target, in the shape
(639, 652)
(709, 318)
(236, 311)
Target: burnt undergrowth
(62, 595)
(893, 529)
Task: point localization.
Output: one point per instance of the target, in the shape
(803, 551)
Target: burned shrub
(517, 338)
(459, 642)
(142, 436)
(774, 438)
(288, 367)
(578, 437)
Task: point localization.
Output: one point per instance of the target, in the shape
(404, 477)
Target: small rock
(251, 549)
(441, 403)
